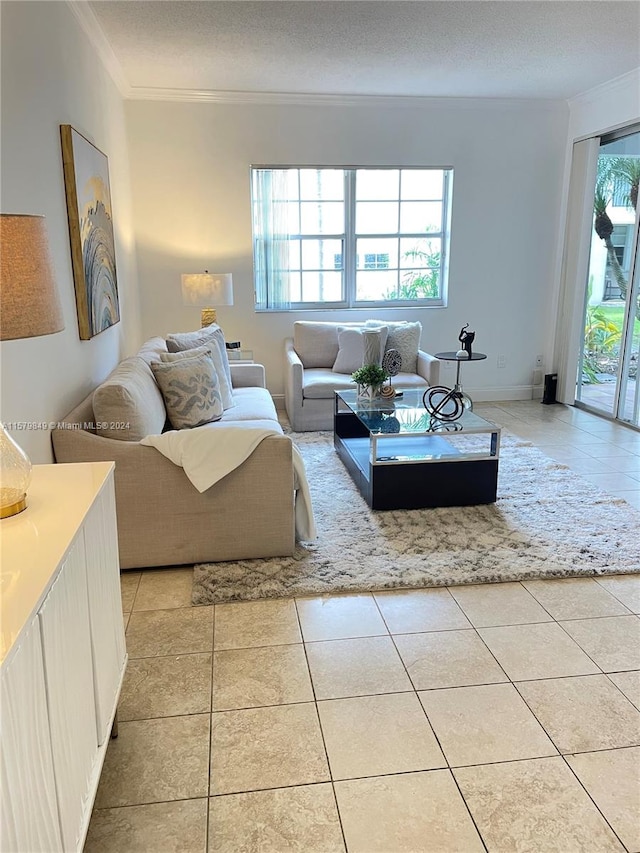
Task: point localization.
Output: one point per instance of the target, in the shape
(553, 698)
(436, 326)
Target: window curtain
(271, 239)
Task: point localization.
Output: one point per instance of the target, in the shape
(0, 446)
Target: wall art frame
(91, 237)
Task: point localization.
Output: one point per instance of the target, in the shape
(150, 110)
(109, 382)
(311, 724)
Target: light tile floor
(496, 717)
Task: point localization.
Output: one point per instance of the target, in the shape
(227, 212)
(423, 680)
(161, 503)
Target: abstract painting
(93, 257)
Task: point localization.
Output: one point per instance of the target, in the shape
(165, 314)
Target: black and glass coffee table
(401, 458)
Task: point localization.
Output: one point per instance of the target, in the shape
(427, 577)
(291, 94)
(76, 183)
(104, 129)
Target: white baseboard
(493, 395)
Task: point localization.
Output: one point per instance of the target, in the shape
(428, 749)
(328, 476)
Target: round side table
(453, 356)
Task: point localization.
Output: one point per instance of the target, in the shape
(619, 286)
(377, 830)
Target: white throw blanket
(210, 452)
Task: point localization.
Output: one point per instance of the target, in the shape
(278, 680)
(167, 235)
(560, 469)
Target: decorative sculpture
(466, 339)
(392, 363)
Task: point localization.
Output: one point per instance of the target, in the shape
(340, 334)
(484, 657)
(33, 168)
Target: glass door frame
(633, 294)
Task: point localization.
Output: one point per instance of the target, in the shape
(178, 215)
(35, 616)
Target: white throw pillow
(359, 346)
(190, 389)
(350, 351)
(214, 351)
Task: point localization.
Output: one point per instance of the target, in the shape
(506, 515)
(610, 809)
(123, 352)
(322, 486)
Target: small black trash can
(550, 388)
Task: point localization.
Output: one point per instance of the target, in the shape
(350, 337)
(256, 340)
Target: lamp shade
(204, 289)
(29, 302)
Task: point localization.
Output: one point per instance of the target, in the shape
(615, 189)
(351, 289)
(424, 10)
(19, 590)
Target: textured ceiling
(473, 48)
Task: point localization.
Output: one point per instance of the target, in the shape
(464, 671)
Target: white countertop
(34, 542)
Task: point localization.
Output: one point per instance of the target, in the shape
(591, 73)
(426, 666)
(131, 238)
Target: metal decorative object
(392, 363)
(444, 404)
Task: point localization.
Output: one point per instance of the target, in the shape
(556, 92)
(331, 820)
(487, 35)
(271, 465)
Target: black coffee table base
(411, 485)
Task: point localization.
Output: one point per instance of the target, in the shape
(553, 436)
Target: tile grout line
(322, 735)
(210, 756)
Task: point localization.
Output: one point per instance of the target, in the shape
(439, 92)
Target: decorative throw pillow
(350, 351)
(191, 340)
(357, 347)
(190, 390)
(404, 337)
(213, 350)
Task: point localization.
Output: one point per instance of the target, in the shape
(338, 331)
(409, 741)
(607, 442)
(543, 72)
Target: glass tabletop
(406, 415)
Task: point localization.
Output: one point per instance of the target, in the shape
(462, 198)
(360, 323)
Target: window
(348, 238)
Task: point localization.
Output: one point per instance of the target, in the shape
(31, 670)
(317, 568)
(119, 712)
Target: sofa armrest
(164, 521)
(428, 367)
(293, 376)
(248, 376)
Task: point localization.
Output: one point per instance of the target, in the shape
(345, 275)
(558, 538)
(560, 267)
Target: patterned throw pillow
(404, 337)
(190, 389)
(190, 340)
(213, 350)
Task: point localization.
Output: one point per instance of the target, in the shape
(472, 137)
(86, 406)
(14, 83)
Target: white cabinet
(105, 607)
(27, 764)
(63, 655)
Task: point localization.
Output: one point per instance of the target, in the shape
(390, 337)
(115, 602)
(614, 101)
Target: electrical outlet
(502, 361)
(539, 360)
(537, 377)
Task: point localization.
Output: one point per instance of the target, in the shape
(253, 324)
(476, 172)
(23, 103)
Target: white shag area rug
(548, 522)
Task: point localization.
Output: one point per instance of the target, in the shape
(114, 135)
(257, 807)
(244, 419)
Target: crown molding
(210, 96)
(629, 80)
(85, 16)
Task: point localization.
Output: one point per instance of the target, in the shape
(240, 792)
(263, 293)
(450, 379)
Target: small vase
(368, 392)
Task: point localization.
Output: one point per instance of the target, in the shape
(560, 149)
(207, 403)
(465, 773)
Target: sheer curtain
(271, 239)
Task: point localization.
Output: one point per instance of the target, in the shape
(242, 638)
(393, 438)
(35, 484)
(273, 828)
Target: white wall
(51, 76)
(190, 179)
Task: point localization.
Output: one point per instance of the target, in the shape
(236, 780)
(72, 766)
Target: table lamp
(206, 290)
(29, 307)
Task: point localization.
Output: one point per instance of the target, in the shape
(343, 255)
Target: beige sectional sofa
(311, 377)
(162, 519)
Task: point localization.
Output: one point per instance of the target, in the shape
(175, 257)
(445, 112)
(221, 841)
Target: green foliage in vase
(370, 374)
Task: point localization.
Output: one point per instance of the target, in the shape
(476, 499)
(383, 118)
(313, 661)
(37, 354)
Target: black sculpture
(466, 339)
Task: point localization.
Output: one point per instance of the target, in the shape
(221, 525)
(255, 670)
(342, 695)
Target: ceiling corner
(87, 19)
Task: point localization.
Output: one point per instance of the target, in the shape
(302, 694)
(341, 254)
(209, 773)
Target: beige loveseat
(313, 372)
(162, 519)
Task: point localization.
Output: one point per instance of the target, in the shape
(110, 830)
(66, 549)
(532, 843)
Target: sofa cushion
(404, 337)
(190, 340)
(213, 350)
(129, 396)
(251, 404)
(190, 389)
(320, 383)
(152, 349)
(351, 348)
(315, 343)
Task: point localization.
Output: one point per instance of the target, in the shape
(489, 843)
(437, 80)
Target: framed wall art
(93, 257)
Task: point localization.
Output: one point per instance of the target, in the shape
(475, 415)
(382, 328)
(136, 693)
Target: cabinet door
(66, 640)
(105, 605)
(29, 811)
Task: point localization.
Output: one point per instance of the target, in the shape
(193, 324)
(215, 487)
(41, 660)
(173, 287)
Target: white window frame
(349, 237)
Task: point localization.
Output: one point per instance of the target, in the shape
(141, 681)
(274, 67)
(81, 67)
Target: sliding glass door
(608, 365)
